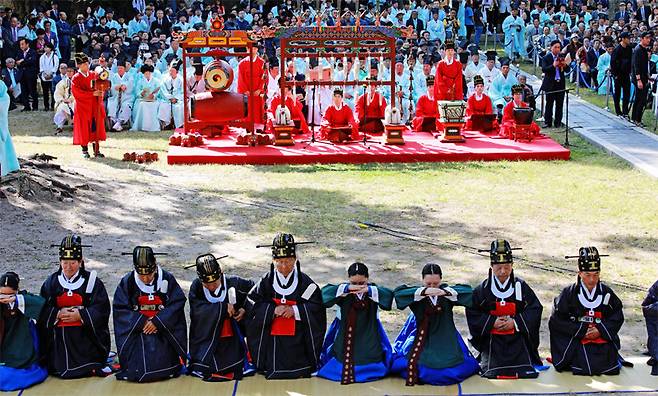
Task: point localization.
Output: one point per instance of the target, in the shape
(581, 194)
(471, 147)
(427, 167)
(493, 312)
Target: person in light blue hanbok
(170, 97)
(514, 29)
(603, 66)
(145, 114)
(435, 26)
(500, 91)
(461, 16)
(8, 160)
(120, 101)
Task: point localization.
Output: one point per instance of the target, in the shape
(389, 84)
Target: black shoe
(58, 131)
(546, 125)
(98, 154)
(85, 154)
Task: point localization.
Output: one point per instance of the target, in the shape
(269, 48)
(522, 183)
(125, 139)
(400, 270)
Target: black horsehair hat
(70, 248)
(500, 252)
(589, 259)
(207, 267)
(284, 246)
(517, 89)
(144, 259)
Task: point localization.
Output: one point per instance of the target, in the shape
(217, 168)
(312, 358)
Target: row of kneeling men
(277, 325)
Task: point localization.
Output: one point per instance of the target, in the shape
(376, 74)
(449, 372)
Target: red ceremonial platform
(418, 147)
(223, 127)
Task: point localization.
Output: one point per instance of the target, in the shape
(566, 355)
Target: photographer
(554, 65)
(620, 69)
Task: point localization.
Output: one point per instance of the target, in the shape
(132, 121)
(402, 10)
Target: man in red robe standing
(509, 123)
(479, 103)
(427, 110)
(253, 79)
(338, 117)
(293, 105)
(448, 78)
(370, 110)
(89, 115)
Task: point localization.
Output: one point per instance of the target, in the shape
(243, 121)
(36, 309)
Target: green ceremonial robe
(441, 348)
(367, 345)
(17, 346)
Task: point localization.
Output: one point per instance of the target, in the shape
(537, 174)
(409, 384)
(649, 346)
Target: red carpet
(419, 147)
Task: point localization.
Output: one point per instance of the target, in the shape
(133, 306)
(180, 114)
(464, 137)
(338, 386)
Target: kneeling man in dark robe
(585, 322)
(149, 321)
(218, 351)
(287, 320)
(504, 320)
(75, 319)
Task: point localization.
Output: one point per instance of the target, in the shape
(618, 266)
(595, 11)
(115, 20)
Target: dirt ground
(186, 211)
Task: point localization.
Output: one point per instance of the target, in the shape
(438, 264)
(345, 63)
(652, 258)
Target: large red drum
(218, 75)
(220, 107)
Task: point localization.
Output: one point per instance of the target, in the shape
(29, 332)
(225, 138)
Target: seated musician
(338, 121)
(427, 111)
(293, 105)
(477, 106)
(509, 122)
(370, 109)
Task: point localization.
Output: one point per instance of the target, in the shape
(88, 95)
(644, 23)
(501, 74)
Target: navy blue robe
(75, 351)
(286, 356)
(217, 344)
(146, 358)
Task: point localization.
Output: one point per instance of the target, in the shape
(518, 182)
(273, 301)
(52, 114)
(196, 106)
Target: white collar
(434, 299)
(148, 289)
(496, 287)
(590, 300)
(280, 280)
(215, 299)
(85, 74)
(449, 62)
(478, 97)
(338, 108)
(67, 284)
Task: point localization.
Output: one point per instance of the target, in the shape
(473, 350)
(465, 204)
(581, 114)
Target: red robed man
(479, 103)
(295, 108)
(448, 78)
(508, 122)
(89, 116)
(338, 115)
(253, 80)
(427, 109)
(370, 110)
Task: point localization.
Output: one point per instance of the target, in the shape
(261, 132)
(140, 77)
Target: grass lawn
(547, 208)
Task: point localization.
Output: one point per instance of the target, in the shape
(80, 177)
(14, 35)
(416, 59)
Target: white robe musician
(64, 101)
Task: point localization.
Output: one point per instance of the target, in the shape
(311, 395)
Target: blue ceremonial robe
(514, 30)
(602, 66)
(8, 159)
(501, 87)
